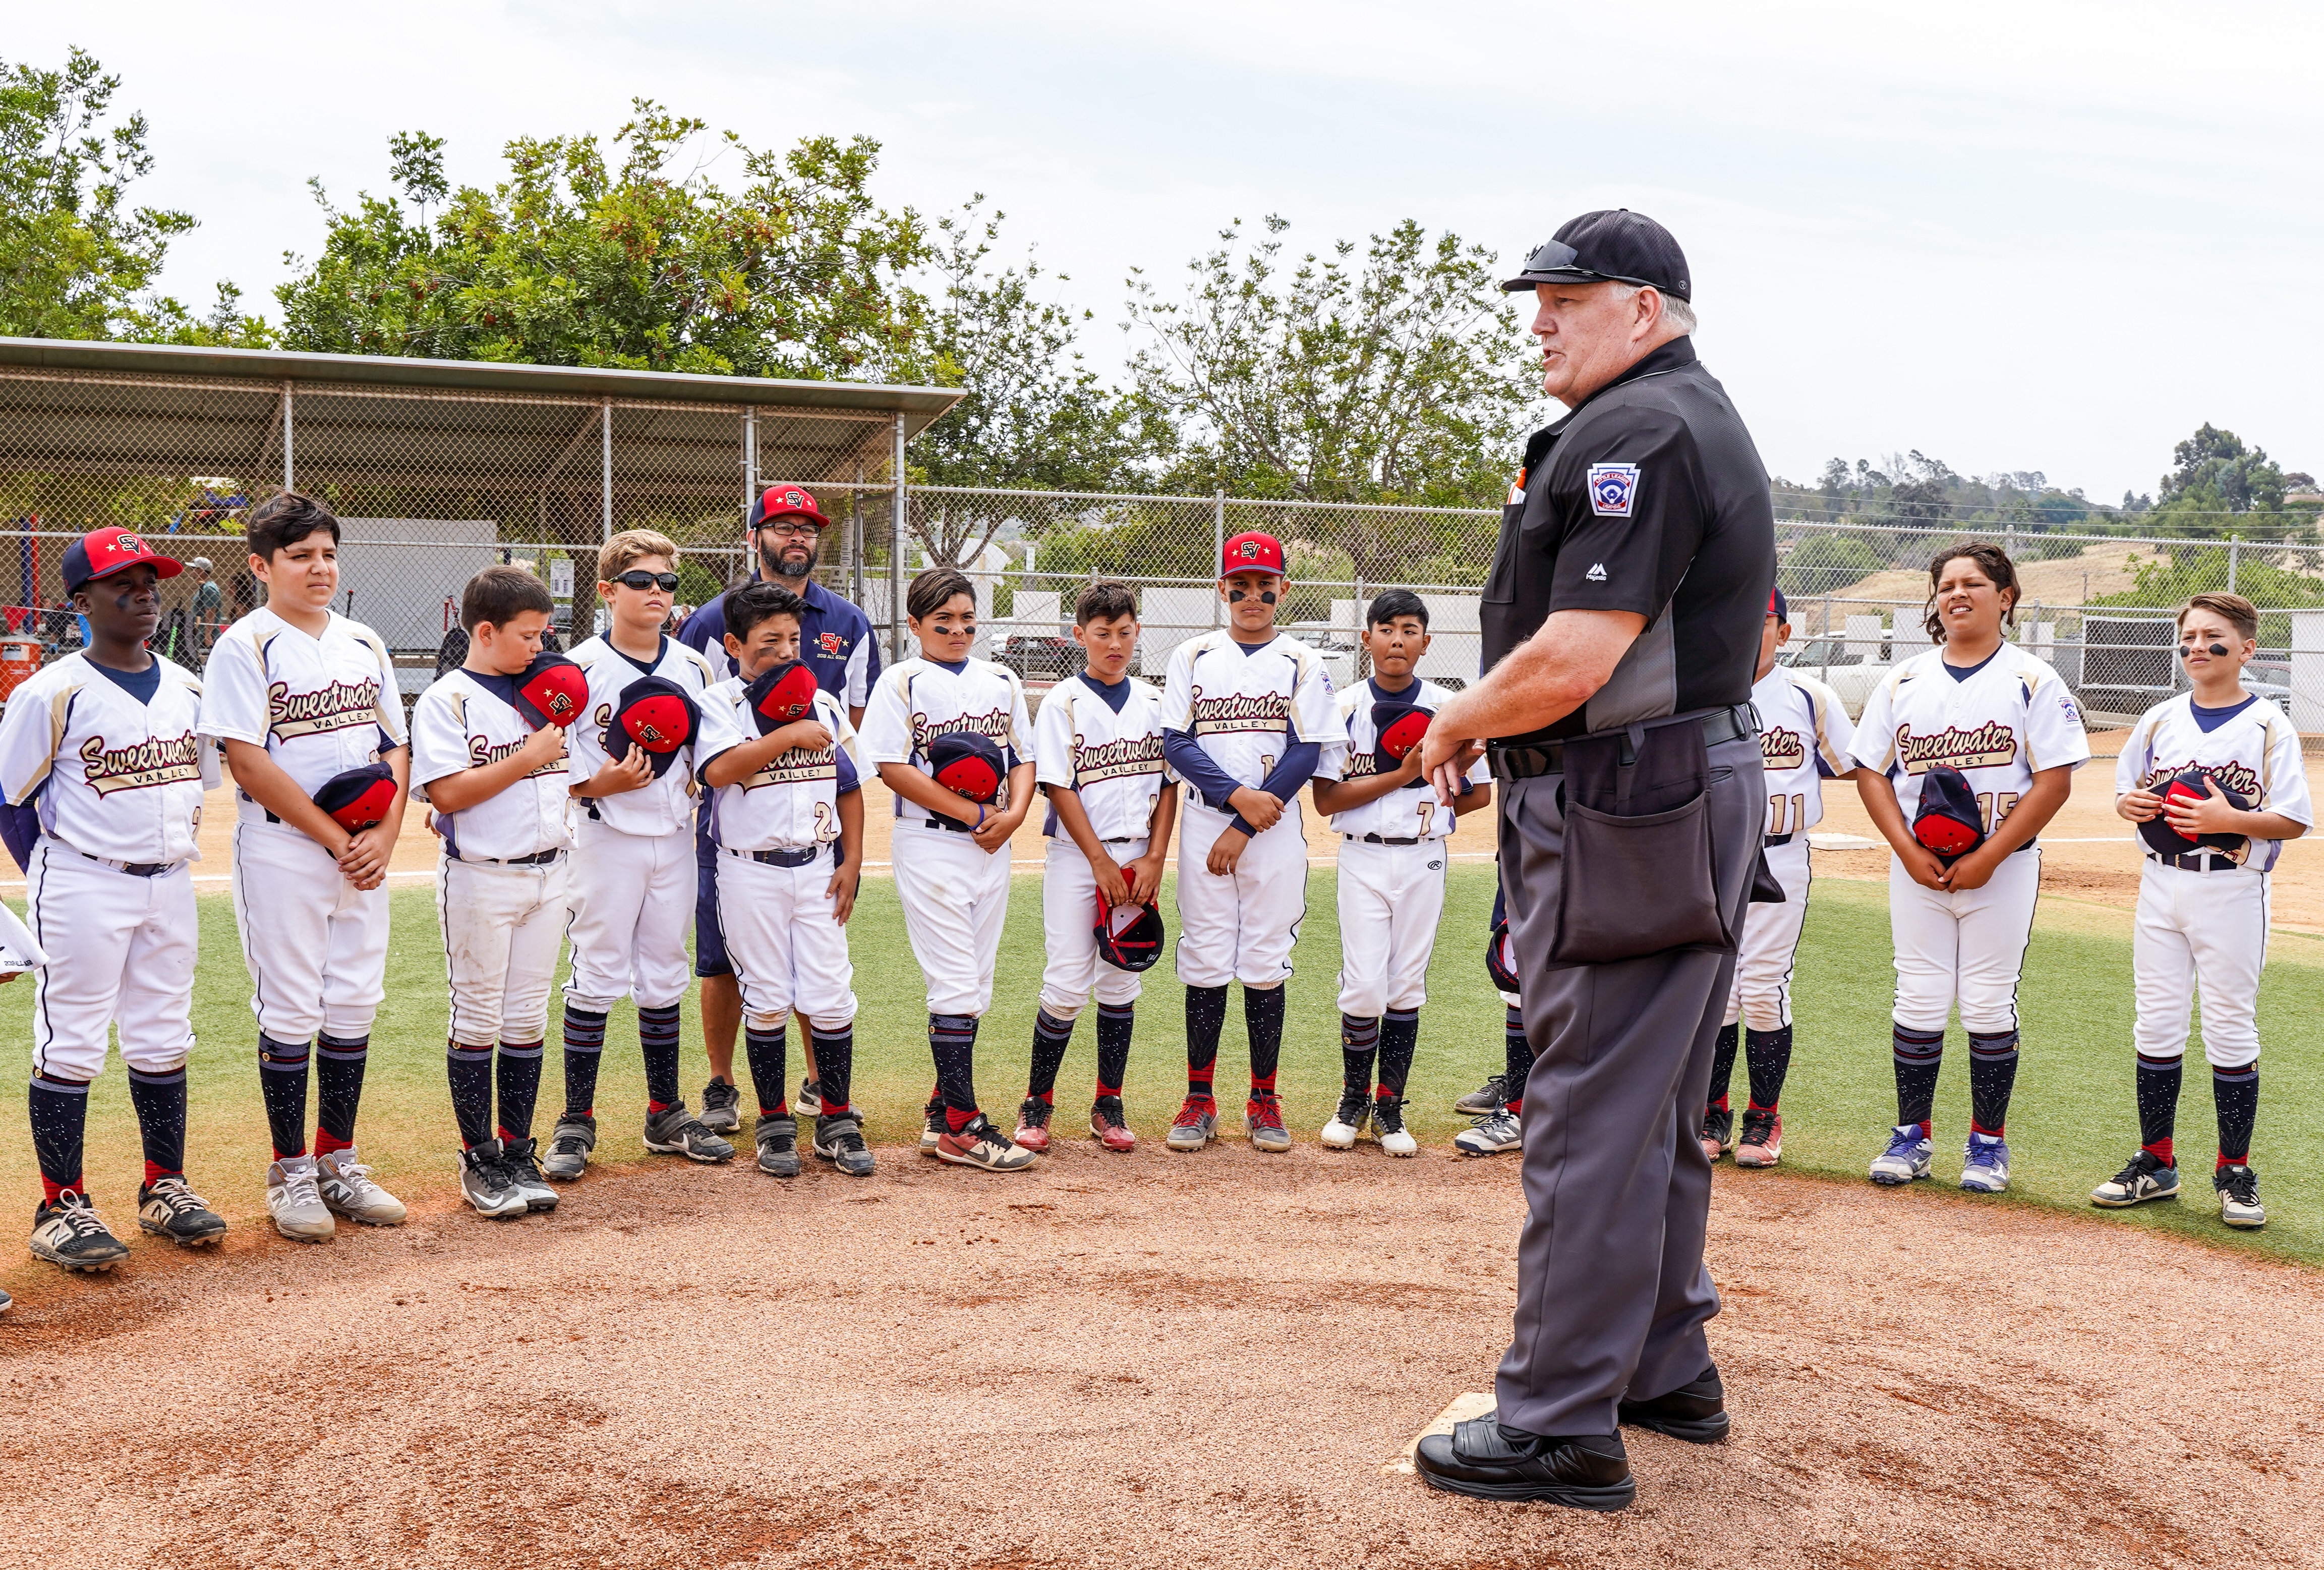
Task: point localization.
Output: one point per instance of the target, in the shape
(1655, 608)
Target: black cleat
(1481, 1459)
(1487, 1099)
(839, 1140)
(721, 1105)
(777, 1140)
(1695, 1412)
(172, 1210)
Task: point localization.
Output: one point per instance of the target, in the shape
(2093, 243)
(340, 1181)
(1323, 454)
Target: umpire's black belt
(1720, 724)
(802, 857)
(1381, 839)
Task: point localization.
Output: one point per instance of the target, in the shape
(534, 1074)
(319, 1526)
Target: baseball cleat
(676, 1131)
(1387, 1122)
(1262, 1123)
(2144, 1177)
(1717, 1132)
(521, 1159)
(2239, 1206)
(68, 1232)
(1110, 1127)
(979, 1144)
(294, 1200)
(1487, 1099)
(1197, 1124)
(1695, 1412)
(933, 1126)
(808, 1103)
(1483, 1460)
(1033, 1125)
(722, 1106)
(1986, 1164)
(1761, 1143)
(777, 1141)
(570, 1144)
(1347, 1124)
(1907, 1159)
(349, 1190)
(485, 1184)
(168, 1208)
(1492, 1135)
(839, 1140)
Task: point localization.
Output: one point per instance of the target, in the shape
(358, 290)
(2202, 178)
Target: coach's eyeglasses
(802, 528)
(641, 579)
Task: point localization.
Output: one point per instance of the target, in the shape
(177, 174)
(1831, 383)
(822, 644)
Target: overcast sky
(2015, 237)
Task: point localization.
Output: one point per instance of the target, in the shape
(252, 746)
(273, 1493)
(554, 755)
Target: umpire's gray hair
(1676, 311)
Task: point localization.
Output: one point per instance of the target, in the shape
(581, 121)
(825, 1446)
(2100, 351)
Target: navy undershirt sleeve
(1197, 768)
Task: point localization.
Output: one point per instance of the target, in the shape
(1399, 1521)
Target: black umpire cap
(1611, 246)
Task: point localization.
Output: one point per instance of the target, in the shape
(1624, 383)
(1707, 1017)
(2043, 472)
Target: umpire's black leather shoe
(1695, 1411)
(1588, 1471)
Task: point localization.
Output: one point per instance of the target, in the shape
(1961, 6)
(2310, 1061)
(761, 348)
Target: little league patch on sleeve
(1613, 489)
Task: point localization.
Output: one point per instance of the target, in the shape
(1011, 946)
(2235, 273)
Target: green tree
(582, 258)
(2217, 485)
(1822, 564)
(76, 260)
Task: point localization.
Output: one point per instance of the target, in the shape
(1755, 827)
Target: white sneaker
(1492, 1135)
(295, 1201)
(1985, 1165)
(1387, 1122)
(349, 1190)
(1347, 1124)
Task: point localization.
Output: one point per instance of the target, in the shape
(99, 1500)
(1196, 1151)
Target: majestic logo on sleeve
(1125, 758)
(1782, 748)
(1613, 489)
(141, 765)
(1987, 746)
(1263, 712)
(342, 706)
(993, 724)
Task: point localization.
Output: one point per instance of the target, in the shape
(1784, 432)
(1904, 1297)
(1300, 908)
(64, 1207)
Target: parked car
(1338, 648)
(1036, 657)
(1827, 660)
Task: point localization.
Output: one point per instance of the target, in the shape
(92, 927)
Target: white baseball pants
(121, 951)
(956, 898)
(501, 926)
(788, 954)
(315, 945)
(1391, 896)
(1069, 924)
(1968, 945)
(1762, 997)
(632, 898)
(1241, 926)
(2205, 930)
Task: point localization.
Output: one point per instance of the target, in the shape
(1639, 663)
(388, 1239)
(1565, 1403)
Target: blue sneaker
(1906, 1157)
(1988, 1168)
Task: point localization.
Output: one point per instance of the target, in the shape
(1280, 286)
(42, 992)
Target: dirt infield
(1131, 1361)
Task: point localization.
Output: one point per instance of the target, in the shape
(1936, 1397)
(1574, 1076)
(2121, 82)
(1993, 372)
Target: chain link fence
(437, 471)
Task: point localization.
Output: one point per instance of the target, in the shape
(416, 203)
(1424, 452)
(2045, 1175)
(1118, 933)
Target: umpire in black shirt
(1621, 627)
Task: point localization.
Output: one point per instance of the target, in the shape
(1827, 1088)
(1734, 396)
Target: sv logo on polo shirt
(1613, 489)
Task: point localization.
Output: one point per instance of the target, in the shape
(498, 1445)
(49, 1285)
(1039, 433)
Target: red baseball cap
(1252, 552)
(786, 501)
(102, 552)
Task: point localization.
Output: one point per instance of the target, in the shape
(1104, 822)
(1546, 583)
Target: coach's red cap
(102, 552)
(1252, 552)
(786, 501)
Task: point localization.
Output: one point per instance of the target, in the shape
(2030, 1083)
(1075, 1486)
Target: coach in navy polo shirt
(836, 642)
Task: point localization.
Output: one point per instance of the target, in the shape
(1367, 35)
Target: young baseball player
(1393, 838)
(1971, 748)
(633, 877)
(1097, 748)
(305, 703)
(101, 761)
(488, 759)
(2215, 781)
(1804, 734)
(952, 739)
(1247, 717)
(777, 753)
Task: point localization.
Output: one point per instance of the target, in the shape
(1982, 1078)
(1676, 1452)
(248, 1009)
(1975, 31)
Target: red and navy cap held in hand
(553, 691)
(780, 694)
(655, 716)
(357, 799)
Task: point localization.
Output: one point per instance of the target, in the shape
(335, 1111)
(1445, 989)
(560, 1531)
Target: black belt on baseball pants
(804, 856)
(1613, 1294)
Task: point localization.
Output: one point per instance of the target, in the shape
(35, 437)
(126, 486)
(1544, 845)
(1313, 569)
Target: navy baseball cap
(1617, 246)
(102, 552)
(1776, 607)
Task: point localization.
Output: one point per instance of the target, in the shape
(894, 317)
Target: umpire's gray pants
(1612, 1292)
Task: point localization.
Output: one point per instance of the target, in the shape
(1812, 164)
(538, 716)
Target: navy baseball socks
(1767, 1059)
(1262, 1021)
(1197, 1122)
(500, 1173)
(282, 1068)
(584, 1032)
(776, 1134)
(963, 1135)
(1051, 1038)
(1399, 1039)
(66, 1229)
(1359, 1040)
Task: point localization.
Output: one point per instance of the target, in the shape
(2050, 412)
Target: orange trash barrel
(20, 657)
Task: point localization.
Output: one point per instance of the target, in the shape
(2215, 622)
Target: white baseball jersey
(1998, 724)
(2254, 753)
(666, 806)
(459, 724)
(318, 705)
(1112, 762)
(792, 801)
(110, 777)
(1245, 706)
(918, 700)
(1805, 736)
(1412, 813)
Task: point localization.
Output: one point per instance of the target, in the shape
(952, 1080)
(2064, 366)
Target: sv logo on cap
(1613, 489)
(1248, 550)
